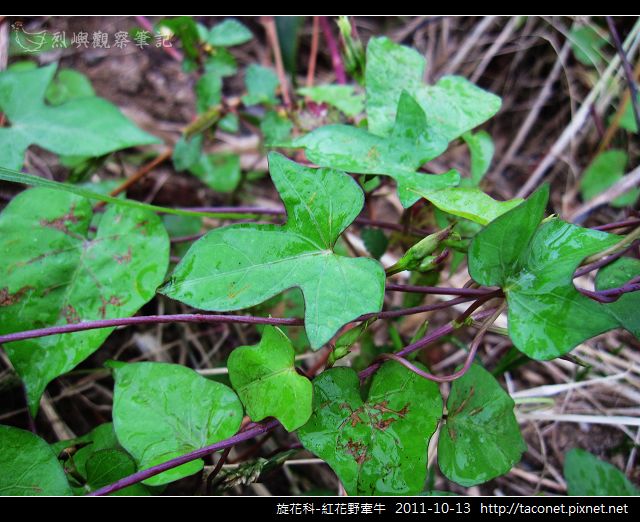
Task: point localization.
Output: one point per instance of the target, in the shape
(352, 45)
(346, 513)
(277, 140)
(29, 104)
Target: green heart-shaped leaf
(480, 439)
(63, 129)
(266, 380)
(377, 446)
(410, 144)
(57, 271)
(409, 124)
(588, 476)
(162, 411)
(228, 33)
(28, 466)
(243, 265)
(534, 264)
(262, 83)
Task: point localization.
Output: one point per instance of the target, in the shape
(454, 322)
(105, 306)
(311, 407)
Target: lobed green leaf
(63, 129)
(243, 265)
(266, 380)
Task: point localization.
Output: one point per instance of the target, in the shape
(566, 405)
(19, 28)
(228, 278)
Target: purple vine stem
(250, 433)
(260, 429)
(186, 239)
(360, 220)
(389, 314)
(602, 262)
(210, 318)
(432, 336)
(465, 295)
(613, 294)
(336, 59)
(473, 350)
(436, 290)
(266, 211)
(632, 222)
(149, 319)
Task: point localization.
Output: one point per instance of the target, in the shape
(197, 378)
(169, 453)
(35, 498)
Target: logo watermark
(32, 42)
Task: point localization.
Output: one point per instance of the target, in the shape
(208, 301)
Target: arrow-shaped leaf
(243, 265)
(409, 145)
(88, 126)
(534, 264)
(409, 124)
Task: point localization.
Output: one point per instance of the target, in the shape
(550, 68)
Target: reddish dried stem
(336, 59)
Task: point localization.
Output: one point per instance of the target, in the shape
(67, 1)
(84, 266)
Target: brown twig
(272, 35)
(137, 176)
(142, 172)
(313, 54)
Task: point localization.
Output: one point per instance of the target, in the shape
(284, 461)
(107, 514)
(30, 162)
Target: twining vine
(81, 262)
